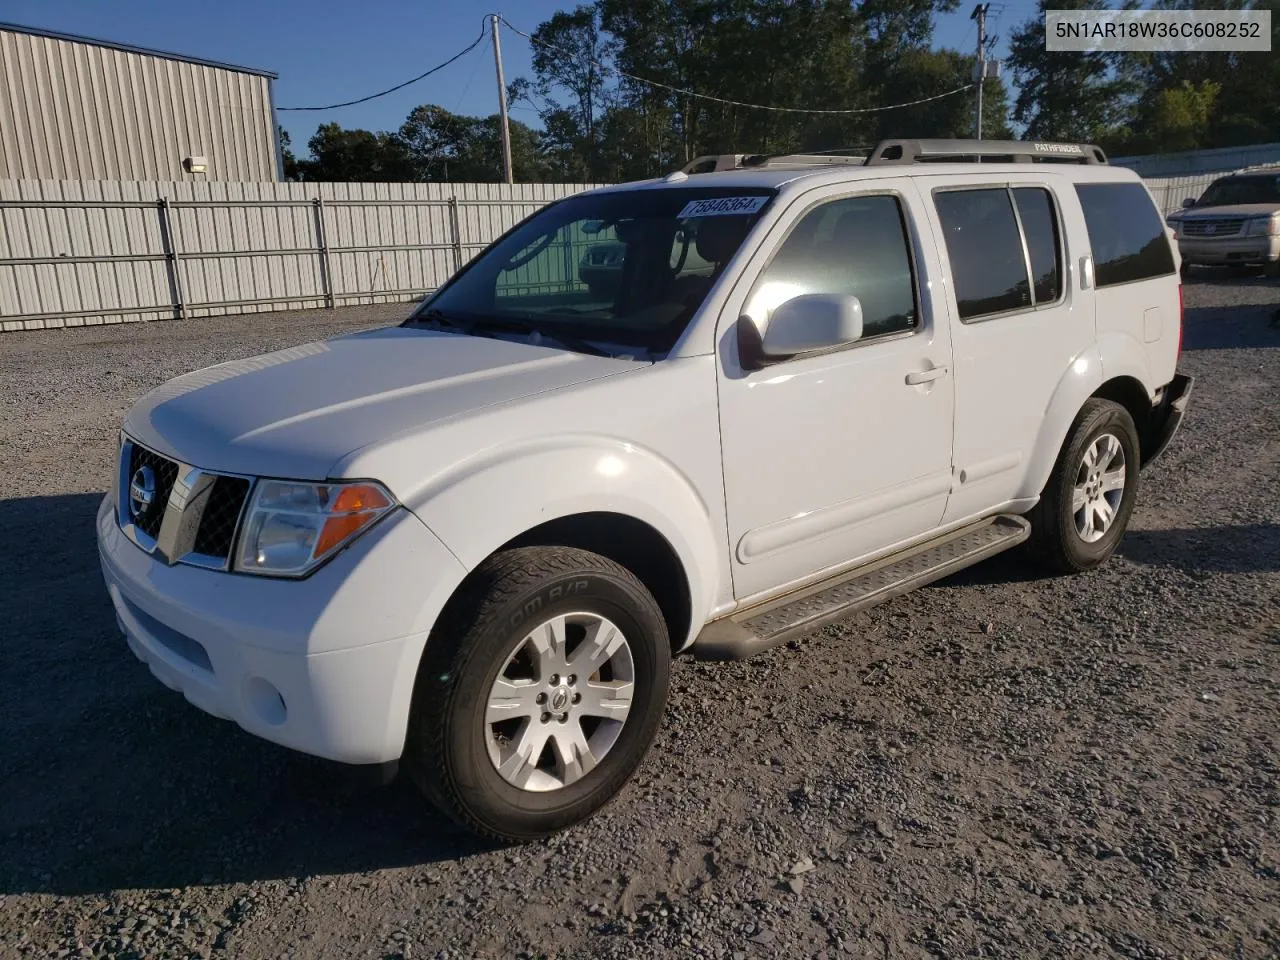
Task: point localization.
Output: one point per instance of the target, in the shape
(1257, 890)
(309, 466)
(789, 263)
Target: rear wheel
(540, 693)
(1085, 507)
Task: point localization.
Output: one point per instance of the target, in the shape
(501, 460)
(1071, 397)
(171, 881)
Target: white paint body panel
(759, 480)
(815, 472)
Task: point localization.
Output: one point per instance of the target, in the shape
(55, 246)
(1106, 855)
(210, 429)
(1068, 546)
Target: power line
(401, 86)
(739, 103)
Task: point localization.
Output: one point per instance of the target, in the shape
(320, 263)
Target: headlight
(1262, 226)
(291, 528)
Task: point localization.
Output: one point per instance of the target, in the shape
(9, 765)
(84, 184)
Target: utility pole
(502, 101)
(980, 14)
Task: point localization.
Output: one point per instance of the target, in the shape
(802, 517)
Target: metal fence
(75, 253)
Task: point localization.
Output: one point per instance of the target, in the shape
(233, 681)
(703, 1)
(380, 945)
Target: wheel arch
(633, 544)
(619, 499)
(1111, 369)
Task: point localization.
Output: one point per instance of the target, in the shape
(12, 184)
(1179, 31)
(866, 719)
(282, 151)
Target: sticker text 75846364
(722, 207)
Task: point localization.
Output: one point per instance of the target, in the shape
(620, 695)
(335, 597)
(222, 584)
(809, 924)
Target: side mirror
(1189, 202)
(812, 321)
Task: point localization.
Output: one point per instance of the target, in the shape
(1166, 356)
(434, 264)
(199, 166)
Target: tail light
(1181, 314)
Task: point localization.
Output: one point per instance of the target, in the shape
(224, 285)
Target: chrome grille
(165, 471)
(193, 515)
(1213, 228)
(221, 516)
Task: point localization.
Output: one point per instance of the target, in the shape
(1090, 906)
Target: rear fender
(1082, 377)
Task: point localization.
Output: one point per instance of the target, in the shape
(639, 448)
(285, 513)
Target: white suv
(472, 543)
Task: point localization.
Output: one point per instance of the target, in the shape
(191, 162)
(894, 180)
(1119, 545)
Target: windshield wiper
(479, 326)
(520, 325)
(441, 318)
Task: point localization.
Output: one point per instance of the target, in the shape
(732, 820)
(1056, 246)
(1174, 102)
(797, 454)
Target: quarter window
(1040, 226)
(1126, 234)
(988, 269)
(855, 246)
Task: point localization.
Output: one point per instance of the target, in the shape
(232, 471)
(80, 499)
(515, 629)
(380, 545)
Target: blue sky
(327, 51)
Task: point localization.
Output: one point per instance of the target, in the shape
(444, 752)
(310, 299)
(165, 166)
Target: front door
(831, 457)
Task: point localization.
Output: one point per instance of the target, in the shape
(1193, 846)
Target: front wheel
(1086, 505)
(540, 692)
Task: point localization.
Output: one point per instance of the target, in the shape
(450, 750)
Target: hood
(1233, 210)
(296, 412)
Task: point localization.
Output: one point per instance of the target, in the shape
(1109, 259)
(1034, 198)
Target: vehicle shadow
(1248, 326)
(113, 781)
(1228, 548)
(1242, 548)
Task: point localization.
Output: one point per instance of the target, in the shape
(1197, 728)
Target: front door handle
(926, 376)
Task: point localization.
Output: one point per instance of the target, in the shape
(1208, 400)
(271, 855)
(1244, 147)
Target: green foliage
(349, 155)
(1151, 102)
(1064, 95)
(601, 120)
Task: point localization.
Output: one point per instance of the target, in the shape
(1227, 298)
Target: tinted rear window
(987, 264)
(1126, 233)
(1040, 224)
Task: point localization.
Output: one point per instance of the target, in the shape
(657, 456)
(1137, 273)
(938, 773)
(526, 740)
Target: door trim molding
(773, 538)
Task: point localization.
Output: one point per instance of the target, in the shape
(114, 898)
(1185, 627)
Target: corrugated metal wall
(78, 253)
(77, 111)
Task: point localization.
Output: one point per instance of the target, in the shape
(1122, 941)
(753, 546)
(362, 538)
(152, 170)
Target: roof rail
(1017, 151)
(712, 163)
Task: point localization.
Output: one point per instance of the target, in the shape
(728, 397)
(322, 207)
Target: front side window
(1126, 233)
(988, 269)
(628, 268)
(855, 246)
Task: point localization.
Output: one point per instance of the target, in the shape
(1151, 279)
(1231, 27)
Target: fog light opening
(266, 701)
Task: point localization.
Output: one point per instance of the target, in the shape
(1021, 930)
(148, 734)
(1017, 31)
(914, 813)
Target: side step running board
(748, 632)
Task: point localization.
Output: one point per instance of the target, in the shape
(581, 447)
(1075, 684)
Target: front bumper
(324, 665)
(1208, 251)
(1166, 418)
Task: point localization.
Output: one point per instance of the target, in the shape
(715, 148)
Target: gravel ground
(998, 765)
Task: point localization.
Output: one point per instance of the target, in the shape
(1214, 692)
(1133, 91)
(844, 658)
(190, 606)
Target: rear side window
(1040, 225)
(1126, 233)
(987, 264)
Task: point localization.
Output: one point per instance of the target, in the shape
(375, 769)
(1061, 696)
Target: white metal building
(74, 108)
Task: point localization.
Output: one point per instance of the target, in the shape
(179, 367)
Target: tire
(1069, 541)
(486, 634)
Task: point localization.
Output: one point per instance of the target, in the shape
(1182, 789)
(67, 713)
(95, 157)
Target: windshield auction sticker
(1164, 31)
(722, 207)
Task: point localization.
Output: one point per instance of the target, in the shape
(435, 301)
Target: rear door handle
(926, 376)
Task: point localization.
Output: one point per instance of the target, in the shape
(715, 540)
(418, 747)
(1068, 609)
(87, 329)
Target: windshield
(628, 268)
(1234, 190)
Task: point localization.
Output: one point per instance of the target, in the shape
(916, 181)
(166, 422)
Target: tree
(1065, 95)
(443, 146)
(288, 161)
(355, 155)
(569, 54)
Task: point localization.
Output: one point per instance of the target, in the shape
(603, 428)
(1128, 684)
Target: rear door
(1018, 322)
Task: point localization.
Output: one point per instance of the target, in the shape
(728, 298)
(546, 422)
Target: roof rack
(712, 163)
(1016, 151)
